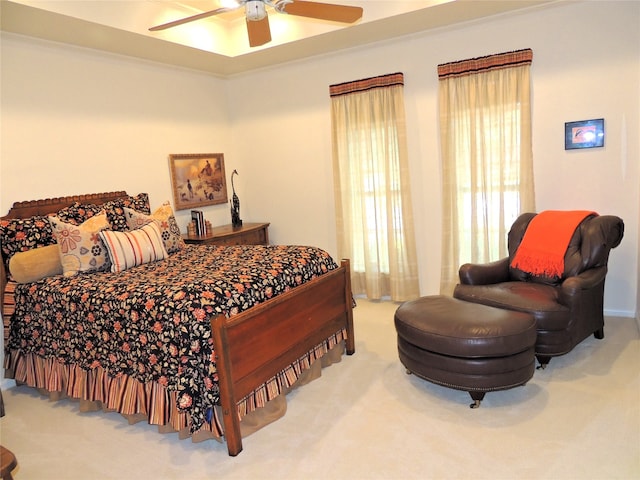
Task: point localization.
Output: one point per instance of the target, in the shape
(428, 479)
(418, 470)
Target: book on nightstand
(198, 219)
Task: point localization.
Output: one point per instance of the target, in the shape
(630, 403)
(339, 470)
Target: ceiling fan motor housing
(255, 10)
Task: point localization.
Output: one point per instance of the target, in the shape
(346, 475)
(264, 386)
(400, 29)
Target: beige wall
(586, 65)
(76, 121)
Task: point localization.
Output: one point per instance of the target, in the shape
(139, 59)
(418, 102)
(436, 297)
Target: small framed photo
(584, 134)
(198, 179)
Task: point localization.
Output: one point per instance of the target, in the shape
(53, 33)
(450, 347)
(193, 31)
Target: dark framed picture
(584, 134)
(198, 179)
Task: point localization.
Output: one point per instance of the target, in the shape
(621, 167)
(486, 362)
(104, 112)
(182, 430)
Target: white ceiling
(218, 44)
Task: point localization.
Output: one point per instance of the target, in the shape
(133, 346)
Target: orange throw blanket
(545, 242)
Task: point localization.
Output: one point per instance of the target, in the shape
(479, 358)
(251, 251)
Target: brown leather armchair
(566, 310)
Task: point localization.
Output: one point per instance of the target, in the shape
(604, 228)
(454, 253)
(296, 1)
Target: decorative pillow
(128, 249)
(78, 213)
(116, 214)
(80, 246)
(169, 229)
(21, 234)
(36, 264)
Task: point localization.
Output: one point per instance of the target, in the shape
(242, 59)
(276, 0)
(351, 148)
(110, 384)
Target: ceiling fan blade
(193, 18)
(324, 11)
(259, 32)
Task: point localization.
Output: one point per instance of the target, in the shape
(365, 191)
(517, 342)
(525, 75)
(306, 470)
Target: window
(485, 130)
(373, 207)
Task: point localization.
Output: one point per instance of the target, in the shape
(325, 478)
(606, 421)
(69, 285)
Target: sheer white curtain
(487, 164)
(371, 179)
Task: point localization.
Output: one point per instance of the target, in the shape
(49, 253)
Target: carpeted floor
(366, 419)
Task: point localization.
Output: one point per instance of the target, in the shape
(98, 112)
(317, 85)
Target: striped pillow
(128, 249)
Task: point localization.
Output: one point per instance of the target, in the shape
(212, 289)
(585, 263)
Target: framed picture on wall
(198, 179)
(584, 134)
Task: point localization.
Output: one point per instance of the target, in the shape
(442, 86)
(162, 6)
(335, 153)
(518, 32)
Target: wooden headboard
(46, 206)
(30, 208)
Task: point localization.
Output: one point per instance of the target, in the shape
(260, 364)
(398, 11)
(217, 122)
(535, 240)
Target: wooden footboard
(257, 344)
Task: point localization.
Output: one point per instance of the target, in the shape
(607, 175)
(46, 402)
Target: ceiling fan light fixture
(255, 10)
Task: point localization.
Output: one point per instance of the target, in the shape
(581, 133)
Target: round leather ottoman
(464, 345)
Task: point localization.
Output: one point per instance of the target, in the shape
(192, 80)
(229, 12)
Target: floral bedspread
(152, 322)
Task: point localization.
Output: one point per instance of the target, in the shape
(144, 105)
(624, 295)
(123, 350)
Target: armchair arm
(586, 280)
(485, 273)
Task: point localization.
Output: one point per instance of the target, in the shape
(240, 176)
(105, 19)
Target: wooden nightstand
(247, 234)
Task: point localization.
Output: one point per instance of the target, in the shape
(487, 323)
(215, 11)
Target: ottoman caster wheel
(477, 398)
(407, 371)
(543, 360)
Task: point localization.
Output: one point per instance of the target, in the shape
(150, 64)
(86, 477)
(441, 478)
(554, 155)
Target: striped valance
(366, 84)
(484, 64)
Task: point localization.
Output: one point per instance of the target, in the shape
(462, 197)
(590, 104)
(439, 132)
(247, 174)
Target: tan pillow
(36, 264)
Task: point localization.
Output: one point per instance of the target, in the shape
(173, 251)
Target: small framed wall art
(198, 179)
(584, 134)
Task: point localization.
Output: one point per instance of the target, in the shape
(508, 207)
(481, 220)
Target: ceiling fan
(258, 21)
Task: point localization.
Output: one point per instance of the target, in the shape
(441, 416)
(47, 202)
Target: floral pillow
(81, 248)
(22, 234)
(78, 213)
(171, 235)
(116, 214)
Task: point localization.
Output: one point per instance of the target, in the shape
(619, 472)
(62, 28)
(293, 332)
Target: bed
(197, 350)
